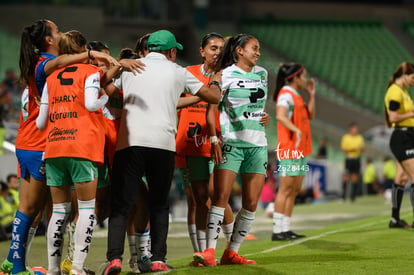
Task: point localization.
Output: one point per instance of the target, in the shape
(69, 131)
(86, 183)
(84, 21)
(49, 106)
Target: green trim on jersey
(242, 107)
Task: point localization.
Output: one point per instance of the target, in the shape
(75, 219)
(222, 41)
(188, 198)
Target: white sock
(192, 232)
(214, 221)
(201, 240)
(143, 243)
(30, 237)
(55, 232)
(132, 247)
(228, 230)
(242, 225)
(286, 224)
(277, 222)
(83, 233)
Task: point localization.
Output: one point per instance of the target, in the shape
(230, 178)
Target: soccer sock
(132, 247)
(277, 222)
(228, 231)
(353, 191)
(344, 190)
(286, 224)
(20, 228)
(396, 198)
(30, 237)
(214, 221)
(192, 232)
(55, 232)
(83, 233)
(143, 243)
(242, 225)
(71, 239)
(201, 240)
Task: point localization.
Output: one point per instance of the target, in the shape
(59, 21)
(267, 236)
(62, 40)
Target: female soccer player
(71, 114)
(38, 50)
(294, 142)
(399, 114)
(244, 148)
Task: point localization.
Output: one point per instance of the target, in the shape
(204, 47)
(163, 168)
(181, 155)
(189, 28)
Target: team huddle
(99, 137)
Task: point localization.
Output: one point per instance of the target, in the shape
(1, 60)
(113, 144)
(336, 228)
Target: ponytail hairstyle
(141, 45)
(72, 42)
(127, 53)
(285, 75)
(404, 68)
(228, 55)
(31, 44)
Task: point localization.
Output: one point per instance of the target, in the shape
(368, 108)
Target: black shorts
(402, 143)
(352, 165)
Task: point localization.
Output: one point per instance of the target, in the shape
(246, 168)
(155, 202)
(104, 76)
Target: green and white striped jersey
(242, 106)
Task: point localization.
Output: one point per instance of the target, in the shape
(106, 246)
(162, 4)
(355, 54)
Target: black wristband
(214, 83)
(89, 55)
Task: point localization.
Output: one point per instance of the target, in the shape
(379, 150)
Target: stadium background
(351, 48)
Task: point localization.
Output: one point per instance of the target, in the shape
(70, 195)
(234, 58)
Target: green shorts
(248, 160)
(65, 171)
(292, 167)
(199, 168)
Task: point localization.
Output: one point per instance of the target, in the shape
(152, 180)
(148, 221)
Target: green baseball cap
(162, 40)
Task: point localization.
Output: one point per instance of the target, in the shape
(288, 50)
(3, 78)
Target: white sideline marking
(315, 237)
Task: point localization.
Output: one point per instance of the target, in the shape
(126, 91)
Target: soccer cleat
(398, 224)
(38, 270)
(133, 265)
(231, 257)
(293, 236)
(206, 258)
(114, 267)
(66, 266)
(280, 237)
(6, 266)
(196, 264)
(160, 266)
(145, 264)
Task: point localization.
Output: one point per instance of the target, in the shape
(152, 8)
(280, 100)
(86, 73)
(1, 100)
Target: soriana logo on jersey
(59, 134)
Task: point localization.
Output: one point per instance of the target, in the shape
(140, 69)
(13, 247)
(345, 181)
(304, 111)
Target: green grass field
(342, 238)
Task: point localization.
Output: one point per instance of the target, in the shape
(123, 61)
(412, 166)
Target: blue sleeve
(41, 76)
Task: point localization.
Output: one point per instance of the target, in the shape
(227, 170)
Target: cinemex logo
(248, 115)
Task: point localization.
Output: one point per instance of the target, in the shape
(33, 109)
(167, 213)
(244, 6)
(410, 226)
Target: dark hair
(286, 74)
(72, 42)
(403, 69)
(97, 46)
(352, 124)
(207, 37)
(9, 176)
(228, 56)
(141, 44)
(31, 44)
(3, 186)
(127, 53)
